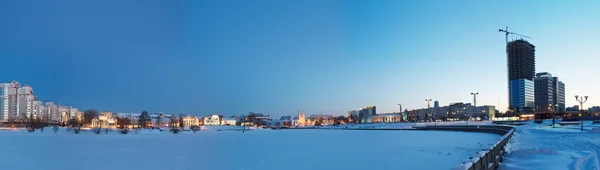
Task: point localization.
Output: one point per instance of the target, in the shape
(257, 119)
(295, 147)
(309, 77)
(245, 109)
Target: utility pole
(581, 100)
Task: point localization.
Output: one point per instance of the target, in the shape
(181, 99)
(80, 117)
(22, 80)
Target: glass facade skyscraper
(522, 94)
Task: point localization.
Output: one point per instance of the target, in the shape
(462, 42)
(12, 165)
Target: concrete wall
(485, 159)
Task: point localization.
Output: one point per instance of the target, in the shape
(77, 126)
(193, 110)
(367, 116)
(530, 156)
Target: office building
(365, 113)
(549, 93)
(521, 71)
(522, 97)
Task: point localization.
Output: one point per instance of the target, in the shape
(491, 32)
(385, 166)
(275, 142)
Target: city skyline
(281, 57)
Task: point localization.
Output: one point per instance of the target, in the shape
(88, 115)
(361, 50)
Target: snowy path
(539, 146)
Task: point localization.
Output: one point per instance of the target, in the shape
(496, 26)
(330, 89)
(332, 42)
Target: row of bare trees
(91, 116)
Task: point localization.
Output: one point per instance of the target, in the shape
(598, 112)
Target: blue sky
(278, 57)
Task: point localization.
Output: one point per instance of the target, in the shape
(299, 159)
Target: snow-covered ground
(233, 150)
(539, 146)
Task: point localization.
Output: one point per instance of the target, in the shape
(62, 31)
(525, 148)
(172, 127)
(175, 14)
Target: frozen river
(234, 150)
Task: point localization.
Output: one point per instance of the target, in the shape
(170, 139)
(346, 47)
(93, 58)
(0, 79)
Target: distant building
(73, 113)
(483, 112)
(301, 119)
(228, 121)
(37, 109)
(8, 100)
(189, 121)
(549, 93)
(256, 119)
(354, 116)
(212, 120)
(324, 119)
(25, 101)
(386, 118)
(574, 108)
(51, 113)
(594, 111)
(454, 111)
(365, 113)
(19, 102)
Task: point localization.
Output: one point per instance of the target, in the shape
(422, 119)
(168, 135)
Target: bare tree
(158, 121)
(144, 118)
(89, 116)
(181, 123)
(318, 122)
(75, 124)
(124, 124)
(29, 123)
(174, 122)
(12, 120)
(38, 123)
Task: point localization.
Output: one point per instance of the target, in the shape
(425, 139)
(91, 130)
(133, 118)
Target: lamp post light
(554, 115)
(401, 119)
(428, 106)
(475, 98)
(581, 100)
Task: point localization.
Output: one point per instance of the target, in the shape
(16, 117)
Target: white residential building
(37, 109)
(228, 121)
(73, 112)
(25, 101)
(189, 121)
(8, 100)
(52, 113)
(16, 102)
(64, 113)
(212, 120)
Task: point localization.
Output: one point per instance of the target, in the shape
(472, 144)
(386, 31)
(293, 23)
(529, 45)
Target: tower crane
(507, 32)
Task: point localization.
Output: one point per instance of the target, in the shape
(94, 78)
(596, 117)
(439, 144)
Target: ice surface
(297, 149)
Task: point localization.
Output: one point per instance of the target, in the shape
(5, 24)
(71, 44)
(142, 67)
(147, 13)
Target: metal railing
(487, 158)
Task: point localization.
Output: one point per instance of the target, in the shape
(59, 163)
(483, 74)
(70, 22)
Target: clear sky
(278, 57)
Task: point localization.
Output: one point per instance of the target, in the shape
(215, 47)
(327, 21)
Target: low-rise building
(189, 121)
(212, 120)
(228, 121)
(386, 118)
(255, 119)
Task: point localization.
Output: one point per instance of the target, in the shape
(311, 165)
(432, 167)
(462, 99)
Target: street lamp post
(475, 98)
(428, 106)
(581, 100)
(554, 115)
(400, 105)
